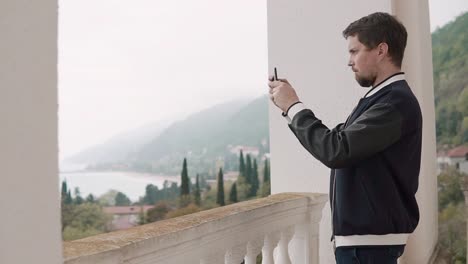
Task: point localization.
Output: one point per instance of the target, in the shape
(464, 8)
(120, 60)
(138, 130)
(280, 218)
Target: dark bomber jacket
(375, 160)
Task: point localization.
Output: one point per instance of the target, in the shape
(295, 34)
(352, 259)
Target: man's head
(376, 45)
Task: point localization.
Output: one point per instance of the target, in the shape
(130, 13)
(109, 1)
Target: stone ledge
(116, 241)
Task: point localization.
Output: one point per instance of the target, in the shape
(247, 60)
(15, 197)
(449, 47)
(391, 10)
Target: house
(456, 157)
(246, 150)
(124, 217)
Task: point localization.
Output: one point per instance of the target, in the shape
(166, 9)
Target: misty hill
(120, 147)
(202, 137)
(450, 61)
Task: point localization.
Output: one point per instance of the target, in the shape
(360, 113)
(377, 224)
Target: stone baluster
(235, 255)
(271, 240)
(283, 252)
(254, 248)
(303, 248)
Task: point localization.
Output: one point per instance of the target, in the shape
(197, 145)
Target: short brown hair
(380, 27)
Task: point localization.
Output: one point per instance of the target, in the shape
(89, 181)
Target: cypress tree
(266, 172)
(64, 190)
(184, 186)
(197, 196)
(233, 194)
(220, 195)
(266, 188)
(248, 174)
(69, 199)
(241, 164)
(90, 198)
(255, 181)
(78, 199)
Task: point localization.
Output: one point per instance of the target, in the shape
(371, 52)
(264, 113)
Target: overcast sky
(124, 64)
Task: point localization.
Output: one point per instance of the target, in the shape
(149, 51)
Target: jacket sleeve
(373, 131)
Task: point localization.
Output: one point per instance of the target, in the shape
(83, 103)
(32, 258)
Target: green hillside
(450, 61)
(205, 136)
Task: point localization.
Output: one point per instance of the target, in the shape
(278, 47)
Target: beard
(365, 81)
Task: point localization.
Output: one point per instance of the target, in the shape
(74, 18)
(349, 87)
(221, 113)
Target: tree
(85, 220)
(220, 193)
(122, 200)
(158, 212)
(184, 198)
(452, 220)
(266, 188)
(241, 164)
(184, 186)
(462, 102)
(266, 171)
(463, 133)
(233, 194)
(151, 194)
(449, 185)
(68, 214)
(78, 199)
(248, 175)
(197, 195)
(64, 190)
(90, 198)
(66, 195)
(255, 182)
(69, 199)
(242, 186)
(108, 198)
(452, 232)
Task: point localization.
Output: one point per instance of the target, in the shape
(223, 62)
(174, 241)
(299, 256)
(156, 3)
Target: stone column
(306, 45)
(29, 188)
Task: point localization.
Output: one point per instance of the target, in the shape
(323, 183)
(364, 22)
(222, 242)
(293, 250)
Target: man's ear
(382, 49)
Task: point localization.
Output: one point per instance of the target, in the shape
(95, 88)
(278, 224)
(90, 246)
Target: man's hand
(282, 94)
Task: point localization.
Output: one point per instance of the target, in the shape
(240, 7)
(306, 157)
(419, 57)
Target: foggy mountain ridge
(201, 137)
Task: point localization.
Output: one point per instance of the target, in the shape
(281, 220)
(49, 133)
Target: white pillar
(417, 64)
(306, 45)
(29, 188)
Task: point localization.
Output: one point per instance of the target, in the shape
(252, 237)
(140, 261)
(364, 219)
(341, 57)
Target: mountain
(450, 62)
(203, 138)
(120, 147)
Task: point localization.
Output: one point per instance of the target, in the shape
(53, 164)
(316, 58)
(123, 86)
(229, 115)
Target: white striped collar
(396, 77)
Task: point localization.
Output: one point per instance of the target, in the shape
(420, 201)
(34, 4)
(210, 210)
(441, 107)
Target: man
(375, 155)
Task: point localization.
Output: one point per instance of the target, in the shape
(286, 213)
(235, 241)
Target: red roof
(120, 210)
(459, 151)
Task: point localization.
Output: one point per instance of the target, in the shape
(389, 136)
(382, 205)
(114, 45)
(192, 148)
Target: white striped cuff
(293, 111)
(371, 240)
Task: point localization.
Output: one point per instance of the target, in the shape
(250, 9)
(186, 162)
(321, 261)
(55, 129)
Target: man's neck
(385, 74)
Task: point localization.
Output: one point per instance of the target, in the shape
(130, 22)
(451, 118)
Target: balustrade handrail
(199, 234)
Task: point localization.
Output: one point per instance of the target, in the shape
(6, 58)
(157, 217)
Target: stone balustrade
(283, 228)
